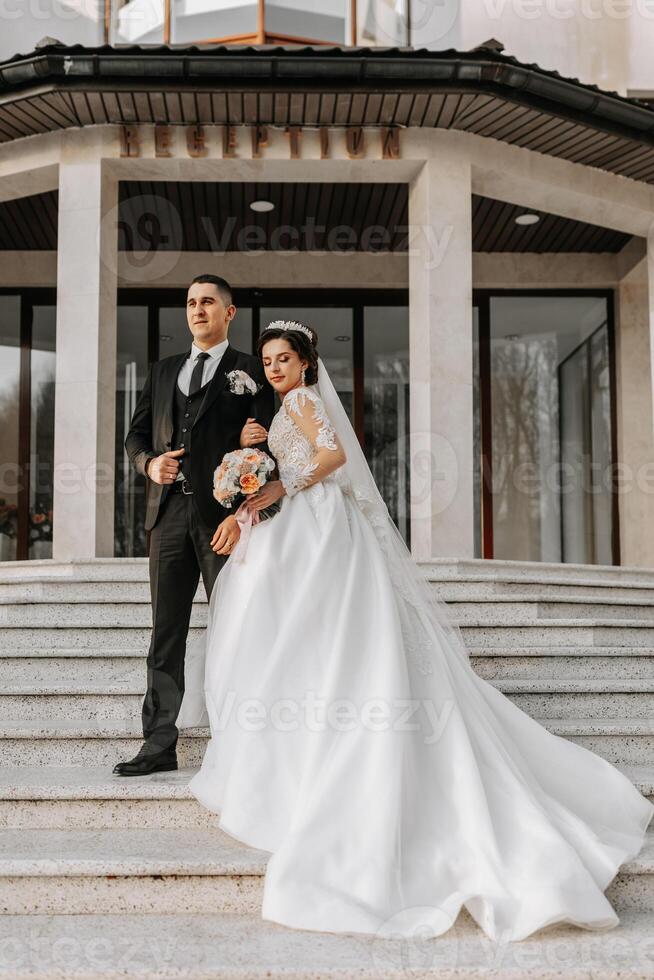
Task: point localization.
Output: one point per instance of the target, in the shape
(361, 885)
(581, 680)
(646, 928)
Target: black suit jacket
(216, 430)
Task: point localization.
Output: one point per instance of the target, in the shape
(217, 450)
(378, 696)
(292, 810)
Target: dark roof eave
(355, 69)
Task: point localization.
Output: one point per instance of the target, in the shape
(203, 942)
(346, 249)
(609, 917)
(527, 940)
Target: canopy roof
(481, 91)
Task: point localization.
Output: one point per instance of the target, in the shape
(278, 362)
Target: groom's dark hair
(221, 285)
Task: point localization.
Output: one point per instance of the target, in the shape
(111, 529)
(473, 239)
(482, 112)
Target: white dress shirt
(210, 365)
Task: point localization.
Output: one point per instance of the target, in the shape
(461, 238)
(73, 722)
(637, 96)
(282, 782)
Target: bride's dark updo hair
(300, 343)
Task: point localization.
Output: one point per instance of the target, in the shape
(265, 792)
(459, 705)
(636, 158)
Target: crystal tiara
(290, 325)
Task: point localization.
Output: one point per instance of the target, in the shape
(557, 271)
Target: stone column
(440, 298)
(85, 392)
(634, 347)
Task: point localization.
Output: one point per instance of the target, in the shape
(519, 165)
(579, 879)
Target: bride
(350, 736)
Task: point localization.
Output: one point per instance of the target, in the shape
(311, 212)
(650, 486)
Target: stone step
(479, 570)
(86, 743)
(66, 797)
(150, 870)
(121, 701)
(93, 669)
(56, 590)
(233, 946)
(129, 870)
(137, 614)
(101, 742)
(21, 641)
(573, 668)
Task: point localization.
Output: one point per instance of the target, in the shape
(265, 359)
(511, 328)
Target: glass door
(543, 411)
(27, 385)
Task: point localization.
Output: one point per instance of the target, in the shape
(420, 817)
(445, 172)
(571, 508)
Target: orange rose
(249, 483)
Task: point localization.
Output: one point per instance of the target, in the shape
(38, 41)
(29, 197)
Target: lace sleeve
(305, 408)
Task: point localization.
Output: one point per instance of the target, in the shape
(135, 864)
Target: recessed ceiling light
(262, 206)
(343, 338)
(527, 219)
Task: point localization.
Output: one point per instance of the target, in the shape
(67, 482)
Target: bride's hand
(269, 493)
(252, 434)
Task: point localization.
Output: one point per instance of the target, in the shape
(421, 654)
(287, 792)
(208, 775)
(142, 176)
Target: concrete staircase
(571, 645)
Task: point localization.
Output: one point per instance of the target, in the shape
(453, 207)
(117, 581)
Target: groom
(193, 409)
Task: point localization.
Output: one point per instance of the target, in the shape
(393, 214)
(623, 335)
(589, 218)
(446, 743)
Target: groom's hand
(225, 536)
(252, 434)
(163, 469)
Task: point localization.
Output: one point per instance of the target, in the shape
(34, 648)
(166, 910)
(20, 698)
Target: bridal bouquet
(243, 472)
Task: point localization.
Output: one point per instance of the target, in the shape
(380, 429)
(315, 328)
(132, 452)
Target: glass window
(476, 434)
(382, 23)
(386, 406)
(137, 21)
(316, 20)
(10, 308)
(202, 20)
(551, 428)
(131, 372)
(42, 431)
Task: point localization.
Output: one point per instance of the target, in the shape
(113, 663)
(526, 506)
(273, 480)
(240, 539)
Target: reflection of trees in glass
(525, 442)
(42, 459)
(386, 413)
(9, 459)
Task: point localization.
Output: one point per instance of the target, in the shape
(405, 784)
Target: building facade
(469, 234)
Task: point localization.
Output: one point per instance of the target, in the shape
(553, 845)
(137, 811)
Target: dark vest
(185, 411)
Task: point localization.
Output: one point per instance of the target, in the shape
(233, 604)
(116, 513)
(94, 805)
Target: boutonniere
(240, 382)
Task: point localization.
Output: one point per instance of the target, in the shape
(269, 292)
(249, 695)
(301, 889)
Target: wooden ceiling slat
(327, 108)
(373, 108)
(482, 221)
(56, 107)
(493, 117)
(20, 122)
(388, 108)
(296, 109)
(213, 214)
(645, 169)
(516, 119)
(606, 142)
(448, 110)
(280, 110)
(251, 108)
(342, 108)
(626, 156)
(189, 108)
(358, 109)
(404, 107)
(312, 108)
(418, 109)
(173, 107)
(205, 109)
(234, 113)
(45, 115)
(11, 127)
(142, 107)
(219, 107)
(82, 108)
(127, 108)
(477, 111)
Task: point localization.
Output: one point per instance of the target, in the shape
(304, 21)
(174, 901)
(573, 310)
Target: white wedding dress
(352, 739)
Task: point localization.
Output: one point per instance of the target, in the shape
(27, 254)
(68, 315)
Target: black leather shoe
(147, 762)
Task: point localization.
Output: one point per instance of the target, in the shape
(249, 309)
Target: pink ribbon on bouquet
(246, 518)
